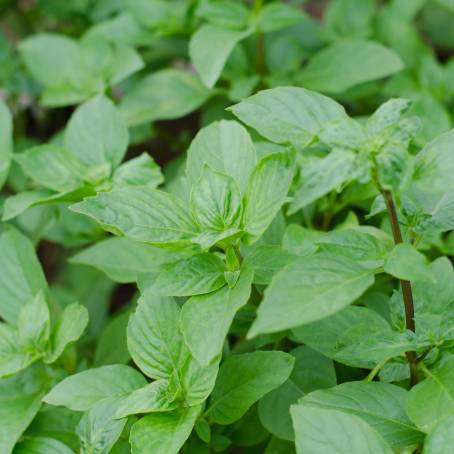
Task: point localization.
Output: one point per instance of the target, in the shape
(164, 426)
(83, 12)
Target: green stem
(376, 370)
(407, 293)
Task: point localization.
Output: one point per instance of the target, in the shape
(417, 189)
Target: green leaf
(142, 214)
(50, 58)
(244, 379)
(34, 324)
(196, 275)
(216, 201)
(381, 405)
(310, 289)
(405, 262)
(441, 438)
(83, 390)
(343, 433)
(266, 193)
(319, 176)
(163, 433)
(206, 319)
(21, 277)
(355, 336)
(312, 371)
(68, 329)
(209, 48)
(6, 142)
(153, 397)
(153, 337)
(224, 13)
(140, 171)
(40, 444)
(97, 431)
(432, 400)
(227, 148)
(163, 95)
(96, 133)
(267, 260)
(347, 63)
(275, 16)
(13, 358)
(52, 167)
(288, 114)
(20, 400)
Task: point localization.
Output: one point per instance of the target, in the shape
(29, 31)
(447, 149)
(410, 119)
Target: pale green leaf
(6, 141)
(321, 431)
(83, 390)
(310, 289)
(140, 171)
(441, 439)
(38, 445)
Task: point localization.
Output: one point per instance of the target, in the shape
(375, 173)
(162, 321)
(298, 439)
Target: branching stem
(407, 293)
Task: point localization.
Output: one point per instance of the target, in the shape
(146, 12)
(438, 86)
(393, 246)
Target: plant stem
(407, 293)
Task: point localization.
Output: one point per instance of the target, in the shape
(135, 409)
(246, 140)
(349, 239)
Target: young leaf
(347, 63)
(310, 289)
(226, 147)
(69, 328)
(163, 433)
(140, 171)
(381, 405)
(206, 319)
(266, 192)
(342, 433)
(288, 114)
(432, 400)
(216, 201)
(21, 277)
(96, 133)
(142, 214)
(153, 397)
(196, 275)
(97, 431)
(209, 48)
(244, 379)
(6, 142)
(83, 390)
(153, 339)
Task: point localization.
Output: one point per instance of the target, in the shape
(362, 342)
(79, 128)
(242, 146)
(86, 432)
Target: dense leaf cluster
(226, 226)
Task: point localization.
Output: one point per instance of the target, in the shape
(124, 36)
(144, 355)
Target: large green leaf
(227, 148)
(6, 142)
(432, 400)
(163, 433)
(441, 438)
(206, 319)
(83, 390)
(348, 63)
(142, 214)
(266, 192)
(244, 379)
(381, 405)
(209, 48)
(163, 95)
(310, 289)
(96, 133)
(21, 277)
(288, 114)
(322, 431)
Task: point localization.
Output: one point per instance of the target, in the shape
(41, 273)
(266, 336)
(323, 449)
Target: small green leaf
(209, 60)
(163, 433)
(6, 142)
(140, 171)
(266, 193)
(244, 379)
(41, 444)
(83, 390)
(441, 438)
